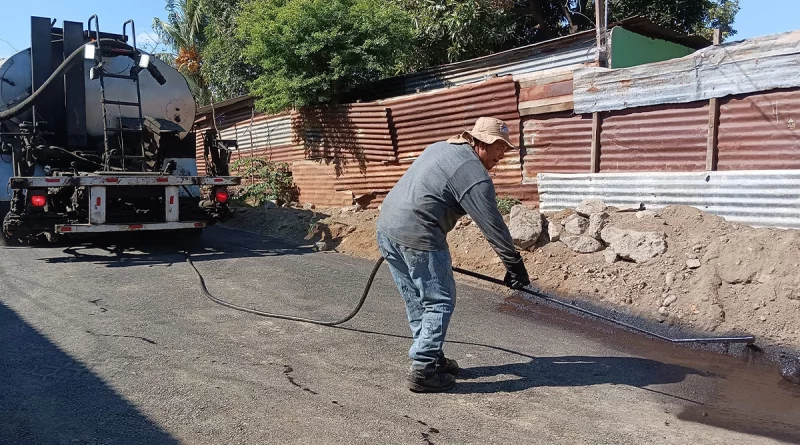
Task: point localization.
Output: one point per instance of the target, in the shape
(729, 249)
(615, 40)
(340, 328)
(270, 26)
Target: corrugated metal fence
(622, 154)
(758, 198)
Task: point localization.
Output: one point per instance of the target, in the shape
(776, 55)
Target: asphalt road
(104, 343)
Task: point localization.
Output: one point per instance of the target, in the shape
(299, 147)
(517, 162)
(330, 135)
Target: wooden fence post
(712, 149)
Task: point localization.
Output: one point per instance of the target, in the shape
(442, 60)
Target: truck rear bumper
(105, 228)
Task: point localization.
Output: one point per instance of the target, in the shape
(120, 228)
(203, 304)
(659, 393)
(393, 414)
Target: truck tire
(5, 206)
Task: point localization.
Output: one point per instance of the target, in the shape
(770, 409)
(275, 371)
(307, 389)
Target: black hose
(748, 339)
(352, 314)
(64, 67)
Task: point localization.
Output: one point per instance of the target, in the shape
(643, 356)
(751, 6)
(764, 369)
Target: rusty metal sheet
(356, 131)
(375, 178)
(423, 119)
(760, 131)
(755, 197)
(758, 64)
(316, 181)
(657, 138)
(557, 143)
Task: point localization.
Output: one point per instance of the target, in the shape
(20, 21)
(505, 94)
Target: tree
(183, 33)
(454, 30)
(224, 67)
(312, 51)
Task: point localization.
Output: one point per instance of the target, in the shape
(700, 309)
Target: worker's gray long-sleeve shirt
(446, 182)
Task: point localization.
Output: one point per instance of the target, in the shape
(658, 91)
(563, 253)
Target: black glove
(517, 275)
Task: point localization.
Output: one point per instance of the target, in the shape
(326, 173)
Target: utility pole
(600, 20)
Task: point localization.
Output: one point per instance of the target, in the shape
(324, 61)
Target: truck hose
(63, 68)
(747, 339)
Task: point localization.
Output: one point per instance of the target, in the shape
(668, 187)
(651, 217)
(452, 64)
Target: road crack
(146, 340)
(287, 371)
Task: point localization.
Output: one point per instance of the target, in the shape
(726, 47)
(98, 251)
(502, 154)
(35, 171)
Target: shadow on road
(153, 249)
(46, 396)
(573, 371)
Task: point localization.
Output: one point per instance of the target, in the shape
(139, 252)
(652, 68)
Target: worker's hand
(517, 275)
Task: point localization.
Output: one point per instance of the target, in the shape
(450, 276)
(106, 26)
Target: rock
(790, 369)
(309, 206)
(693, 263)
(554, 230)
(465, 220)
(582, 244)
(762, 318)
(663, 311)
(597, 222)
(669, 278)
(270, 205)
(380, 206)
(636, 246)
(590, 207)
(350, 210)
(645, 214)
(576, 225)
(322, 246)
(525, 226)
(669, 300)
(610, 256)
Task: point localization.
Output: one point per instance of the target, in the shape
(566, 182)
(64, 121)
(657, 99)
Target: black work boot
(447, 365)
(429, 380)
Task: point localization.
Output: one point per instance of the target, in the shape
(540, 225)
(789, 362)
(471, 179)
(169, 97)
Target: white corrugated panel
(758, 64)
(262, 132)
(758, 198)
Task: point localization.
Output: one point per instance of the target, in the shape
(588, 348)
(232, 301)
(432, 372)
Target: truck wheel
(5, 206)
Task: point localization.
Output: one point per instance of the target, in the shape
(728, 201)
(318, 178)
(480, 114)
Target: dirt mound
(714, 276)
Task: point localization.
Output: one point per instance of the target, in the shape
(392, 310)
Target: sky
(15, 17)
(756, 17)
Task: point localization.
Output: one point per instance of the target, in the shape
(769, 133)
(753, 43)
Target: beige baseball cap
(487, 130)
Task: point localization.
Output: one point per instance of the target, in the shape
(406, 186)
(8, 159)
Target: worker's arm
(480, 202)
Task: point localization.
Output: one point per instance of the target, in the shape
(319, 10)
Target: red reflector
(221, 196)
(162, 180)
(171, 200)
(112, 179)
(52, 180)
(135, 226)
(99, 202)
(199, 224)
(66, 229)
(38, 200)
(218, 179)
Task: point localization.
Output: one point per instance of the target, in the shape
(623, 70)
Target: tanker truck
(96, 136)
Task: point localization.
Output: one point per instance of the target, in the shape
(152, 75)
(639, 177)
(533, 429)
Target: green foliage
(504, 204)
(293, 53)
(263, 181)
(721, 15)
(312, 51)
(224, 66)
(452, 30)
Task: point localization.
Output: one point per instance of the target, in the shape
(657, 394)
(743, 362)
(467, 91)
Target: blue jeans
(425, 280)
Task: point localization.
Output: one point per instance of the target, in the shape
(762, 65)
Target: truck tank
(172, 101)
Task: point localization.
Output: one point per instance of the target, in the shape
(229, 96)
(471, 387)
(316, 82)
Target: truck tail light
(221, 195)
(37, 198)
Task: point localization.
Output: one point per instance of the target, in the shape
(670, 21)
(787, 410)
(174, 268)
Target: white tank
(172, 101)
